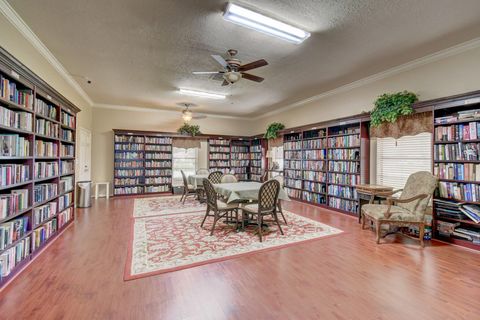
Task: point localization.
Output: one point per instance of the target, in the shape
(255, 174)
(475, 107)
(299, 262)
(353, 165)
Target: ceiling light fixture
(259, 22)
(187, 115)
(202, 94)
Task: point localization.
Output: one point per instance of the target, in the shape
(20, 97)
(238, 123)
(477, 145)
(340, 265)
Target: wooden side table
(369, 193)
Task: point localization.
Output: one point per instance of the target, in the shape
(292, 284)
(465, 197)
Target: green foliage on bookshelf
(272, 130)
(390, 106)
(189, 129)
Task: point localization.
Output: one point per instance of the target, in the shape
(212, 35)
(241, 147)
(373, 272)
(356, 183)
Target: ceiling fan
(187, 114)
(233, 70)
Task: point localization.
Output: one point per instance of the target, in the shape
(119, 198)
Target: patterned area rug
(166, 243)
(145, 207)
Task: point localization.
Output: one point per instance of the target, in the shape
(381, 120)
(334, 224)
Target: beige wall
(104, 120)
(451, 75)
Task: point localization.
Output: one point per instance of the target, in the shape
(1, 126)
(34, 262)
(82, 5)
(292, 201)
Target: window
(397, 159)
(186, 160)
(277, 157)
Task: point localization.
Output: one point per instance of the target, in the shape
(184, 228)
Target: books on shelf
(14, 145)
(65, 184)
(158, 172)
(42, 234)
(219, 149)
(314, 197)
(158, 156)
(219, 164)
(342, 204)
(457, 171)
(343, 154)
(129, 138)
(12, 231)
(350, 141)
(161, 188)
(320, 154)
(45, 169)
(128, 190)
(471, 211)
(13, 202)
(128, 147)
(293, 174)
(223, 142)
(459, 116)
(44, 191)
(67, 135)
(344, 166)
(292, 145)
(158, 140)
(67, 166)
(46, 149)
(44, 212)
(448, 209)
(10, 91)
(12, 173)
(47, 128)
(342, 192)
(240, 149)
(292, 183)
(128, 181)
(10, 258)
(314, 187)
(162, 148)
(314, 176)
(16, 119)
(158, 164)
(64, 217)
(129, 164)
(158, 180)
(456, 152)
(314, 144)
(67, 119)
(314, 165)
(65, 201)
(340, 178)
(293, 155)
(45, 109)
(129, 155)
(294, 193)
(459, 191)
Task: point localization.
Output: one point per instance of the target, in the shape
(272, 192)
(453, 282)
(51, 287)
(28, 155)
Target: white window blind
(186, 160)
(397, 159)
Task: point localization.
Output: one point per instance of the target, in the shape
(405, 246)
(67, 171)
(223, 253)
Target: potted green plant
(272, 130)
(390, 106)
(189, 129)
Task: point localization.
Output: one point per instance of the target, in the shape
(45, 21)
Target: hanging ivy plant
(389, 106)
(272, 130)
(189, 129)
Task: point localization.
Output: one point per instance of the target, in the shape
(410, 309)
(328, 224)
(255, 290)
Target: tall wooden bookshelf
(322, 165)
(37, 134)
(456, 162)
(257, 159)
(142, 163)
(240, 158)
(219, 154)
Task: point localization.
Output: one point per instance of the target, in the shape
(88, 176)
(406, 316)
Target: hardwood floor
(342, 277)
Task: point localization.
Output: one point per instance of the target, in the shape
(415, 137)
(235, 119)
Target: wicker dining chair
(220, 209)
(228, 178)
(266, 206)
(281, 180)
(202, 171)
(188, 189)
(215, 177)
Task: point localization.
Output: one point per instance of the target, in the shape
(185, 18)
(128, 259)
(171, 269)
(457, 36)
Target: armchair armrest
(391, 201)
(387, 193)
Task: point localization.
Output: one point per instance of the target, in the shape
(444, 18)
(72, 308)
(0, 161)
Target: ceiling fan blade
(225, 83)
(206, 72)
(220, 60)
(249, 76)
(217, 77)
(253, 65)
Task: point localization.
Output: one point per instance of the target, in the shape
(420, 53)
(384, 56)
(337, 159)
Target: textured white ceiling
(138, 53)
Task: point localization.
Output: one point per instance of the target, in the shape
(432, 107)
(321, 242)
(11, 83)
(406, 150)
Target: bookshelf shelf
(29, 142)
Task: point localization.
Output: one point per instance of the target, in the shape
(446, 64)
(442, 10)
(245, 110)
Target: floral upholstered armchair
(407, 210)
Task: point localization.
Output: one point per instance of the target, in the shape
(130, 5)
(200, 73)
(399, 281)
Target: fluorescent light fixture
(202, 94)
(259, 22)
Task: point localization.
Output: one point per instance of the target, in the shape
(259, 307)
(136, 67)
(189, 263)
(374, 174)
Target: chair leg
(206, 215)
(184, 196)
(362, 216)
(421, 234)
(181, 198)
(275, 215)
(259, 222)
(236, 219)
(279, 205)
(215, 219)
(377, 229)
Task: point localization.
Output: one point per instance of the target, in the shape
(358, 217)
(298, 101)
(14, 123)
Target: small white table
(107, 188)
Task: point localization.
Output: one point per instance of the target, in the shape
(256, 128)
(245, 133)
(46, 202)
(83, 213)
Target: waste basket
(84, 197)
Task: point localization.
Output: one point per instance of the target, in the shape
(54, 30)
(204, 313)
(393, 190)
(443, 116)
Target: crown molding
(160, 110)
(457, 49)
(13, 17)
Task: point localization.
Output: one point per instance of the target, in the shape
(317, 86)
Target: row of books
(219, 142)
(44, 212)
(13, 202)
(65, 200)
(456, 210)
(14, 145)
(294, 193)
(314, 197)
(456, 230)
(292, 145)
(314, 176)
(241, 149)
(255, 176)
(219, 163)
(12, 173)
(314, 165)
(128, 147)
(45, 109)
(293, 155)
(47, 128)
(344, 141)
(129, 164)
(314, 187)
(129, 155)
(128, 138)
(67, 150)
(16, 119)
(158, 164)
(240, 169)
(256, 171)
(158, 156)
(219, 156)
(46, 149)
(67, 135)
(67, 167)
(256, 148)
(43, 233)
(45, 169)
(153, 147)
(295, 164)
(256, 156)
(459, 191)
(44, 191)
(66, 184)
(345, 131)
(67, 120)
(320, 154)
(240, 156)
(12, 231)
(343, 154)
(128, 181)
(128, 190)
(158, 180)
(256, 163)
(459, 151)
(158, 140)
(314, 134)
(162, 188)
(10, 258)
(158, 172)
(344, 166)
(10, 92)
(293, 174)
(342, 204)
(339, 178)
(315, 144)
(219, 149)
(128, 172)
(341, 191)
(457, 171)
(469, 131)
(64, 217)
(291, 183)
(461, 115)
(239, 163)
